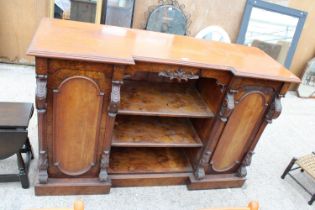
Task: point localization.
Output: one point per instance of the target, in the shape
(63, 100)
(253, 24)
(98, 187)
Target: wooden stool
(251, 206)
(14, 120)
(305, 163)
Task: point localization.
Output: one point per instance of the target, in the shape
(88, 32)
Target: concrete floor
(290, 135)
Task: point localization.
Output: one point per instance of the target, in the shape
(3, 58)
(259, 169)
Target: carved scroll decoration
(228, 105)
(114, 98)
(103, 175)
(41, 91)
(179, 75)
(274, 110)
(221, 85)
(43, 167)
(242, 172)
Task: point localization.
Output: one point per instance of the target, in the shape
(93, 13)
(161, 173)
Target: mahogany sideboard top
(102, 43)
(126, 107)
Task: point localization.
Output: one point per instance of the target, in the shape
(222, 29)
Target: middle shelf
(144, 131)
(162, 99)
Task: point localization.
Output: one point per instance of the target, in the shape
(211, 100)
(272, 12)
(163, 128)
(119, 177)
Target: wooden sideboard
(126, 107)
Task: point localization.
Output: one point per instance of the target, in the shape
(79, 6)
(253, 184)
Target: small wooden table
(14, 120)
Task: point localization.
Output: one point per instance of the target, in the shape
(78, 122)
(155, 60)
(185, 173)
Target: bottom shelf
(148, 160)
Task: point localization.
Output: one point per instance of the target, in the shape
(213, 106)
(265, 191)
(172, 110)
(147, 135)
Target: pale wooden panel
(225, 13)
(76, 125)
(19, 20)
(86, 42)
(162, 99)
(147, 160)
(237, 132)
(139, 131)
(306, 46)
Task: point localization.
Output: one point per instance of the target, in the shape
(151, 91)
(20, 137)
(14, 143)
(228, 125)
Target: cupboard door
(239, 131)
(76, 124)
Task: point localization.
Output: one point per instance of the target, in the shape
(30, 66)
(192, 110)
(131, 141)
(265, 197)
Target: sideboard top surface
(102, 43)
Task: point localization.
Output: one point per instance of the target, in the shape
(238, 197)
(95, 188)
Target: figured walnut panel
(77, 112)
(162, 99)
(237, 132)
(139, 131)
(148, 160)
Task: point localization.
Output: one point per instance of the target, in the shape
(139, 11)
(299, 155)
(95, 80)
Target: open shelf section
(145, 131)
(162, 99)
(148, 160)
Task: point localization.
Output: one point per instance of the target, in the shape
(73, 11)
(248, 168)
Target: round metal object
(167, 19)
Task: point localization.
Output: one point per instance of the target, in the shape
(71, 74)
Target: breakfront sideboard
(126, 107)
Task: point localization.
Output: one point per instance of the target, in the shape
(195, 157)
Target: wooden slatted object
(305, 164)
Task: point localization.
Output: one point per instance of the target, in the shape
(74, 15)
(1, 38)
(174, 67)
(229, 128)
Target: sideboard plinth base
(74, 186)
(215, 182)
(133, 180)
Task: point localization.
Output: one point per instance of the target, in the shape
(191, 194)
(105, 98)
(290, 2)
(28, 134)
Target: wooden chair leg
(289, 167)
(22, 171)
(312, 200)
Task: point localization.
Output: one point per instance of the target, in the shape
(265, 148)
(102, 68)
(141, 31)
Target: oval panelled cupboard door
(230, 149)
(76, 124)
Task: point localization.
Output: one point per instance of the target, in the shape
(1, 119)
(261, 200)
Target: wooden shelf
(162, 99)
(148, 160)
(144, 131)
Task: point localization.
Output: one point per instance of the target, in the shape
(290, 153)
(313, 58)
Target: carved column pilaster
(103, 175)
(225, 111)
(112, 112)
(41, 105)
(43, 167)
(200, 171)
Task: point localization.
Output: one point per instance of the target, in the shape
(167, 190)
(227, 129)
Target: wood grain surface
(15, 115)
(238, 131)
(137, 131)
(76, 125)
(148, 160)
(99, 43)
(162, 99)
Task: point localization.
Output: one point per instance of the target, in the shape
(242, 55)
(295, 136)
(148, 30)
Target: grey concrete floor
(292, 134)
